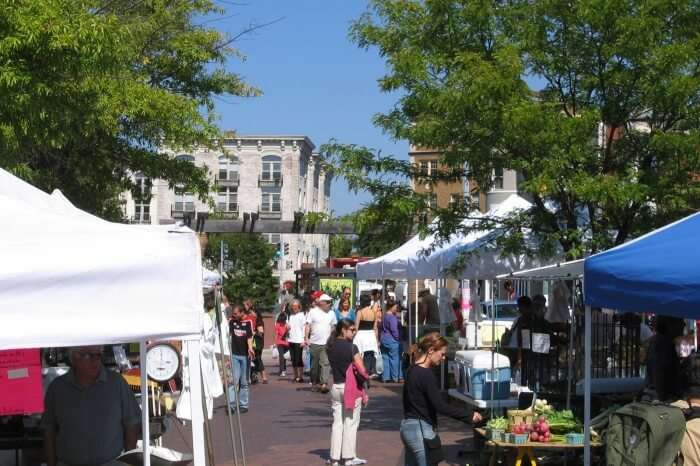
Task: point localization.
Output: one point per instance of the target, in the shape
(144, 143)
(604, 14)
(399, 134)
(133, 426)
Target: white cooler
(476, 378)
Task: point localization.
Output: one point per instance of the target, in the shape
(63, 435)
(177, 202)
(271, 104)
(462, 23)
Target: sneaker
(355, 462)
(333, 462)
(283, 374)
(245, 410)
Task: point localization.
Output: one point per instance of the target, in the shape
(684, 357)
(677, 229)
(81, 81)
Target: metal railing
(228, 179)
(270, 179)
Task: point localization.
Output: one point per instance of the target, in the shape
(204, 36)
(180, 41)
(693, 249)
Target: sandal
(264, 381)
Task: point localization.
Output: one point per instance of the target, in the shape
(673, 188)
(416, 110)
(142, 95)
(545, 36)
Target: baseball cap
(324, 297)
(316, 294)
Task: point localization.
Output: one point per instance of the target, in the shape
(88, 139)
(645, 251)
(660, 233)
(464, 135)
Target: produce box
(518, 439)
(518, 416)
(574, 439)
(496, 435)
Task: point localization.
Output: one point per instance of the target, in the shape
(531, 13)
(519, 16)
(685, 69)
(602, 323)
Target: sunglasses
(353, 329)
(91, 356)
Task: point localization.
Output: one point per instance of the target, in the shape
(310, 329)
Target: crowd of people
(341, 349)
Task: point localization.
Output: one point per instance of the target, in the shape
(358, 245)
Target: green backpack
(644, 434)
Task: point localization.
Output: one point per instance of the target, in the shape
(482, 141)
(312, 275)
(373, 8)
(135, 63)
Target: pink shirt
(281, 334)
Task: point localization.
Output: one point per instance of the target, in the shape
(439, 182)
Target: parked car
(489, 330)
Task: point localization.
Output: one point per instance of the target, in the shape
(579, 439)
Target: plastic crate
(496, 435)
(517, 439)
(574, 439)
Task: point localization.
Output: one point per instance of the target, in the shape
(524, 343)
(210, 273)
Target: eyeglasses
(91, 356)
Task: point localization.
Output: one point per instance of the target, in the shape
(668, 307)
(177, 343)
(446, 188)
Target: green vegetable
(498, 423)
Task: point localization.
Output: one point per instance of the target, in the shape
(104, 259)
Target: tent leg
(145, 426)
(224, 369)
(587, 391)
(198, 449)
(416, 311)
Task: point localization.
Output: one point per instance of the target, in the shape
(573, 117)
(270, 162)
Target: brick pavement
(288, 425)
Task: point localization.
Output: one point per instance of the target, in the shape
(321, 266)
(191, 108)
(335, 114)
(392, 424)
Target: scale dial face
(162, 362)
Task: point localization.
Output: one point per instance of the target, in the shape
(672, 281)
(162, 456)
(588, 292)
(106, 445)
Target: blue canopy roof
(658, 272)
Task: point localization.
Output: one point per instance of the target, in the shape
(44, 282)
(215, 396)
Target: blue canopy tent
(657, 272)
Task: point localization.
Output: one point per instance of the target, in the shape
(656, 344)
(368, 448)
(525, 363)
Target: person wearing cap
(319, 324)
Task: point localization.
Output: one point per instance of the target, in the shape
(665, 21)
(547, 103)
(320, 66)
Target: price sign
(20, 382)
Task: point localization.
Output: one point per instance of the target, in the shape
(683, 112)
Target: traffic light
(286, 249)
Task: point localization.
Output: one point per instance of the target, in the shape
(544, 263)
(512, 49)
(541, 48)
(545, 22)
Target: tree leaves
(606, 150)
(92, 90)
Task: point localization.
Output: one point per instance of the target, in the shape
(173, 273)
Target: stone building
(505, 183)
(273, 176)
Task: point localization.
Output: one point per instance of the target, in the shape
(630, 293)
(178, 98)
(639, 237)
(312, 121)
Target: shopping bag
(275, 353)
(306, 357)
(379, 365)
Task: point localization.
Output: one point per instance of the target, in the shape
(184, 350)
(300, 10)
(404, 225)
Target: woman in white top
(296, 322)
(366, 338)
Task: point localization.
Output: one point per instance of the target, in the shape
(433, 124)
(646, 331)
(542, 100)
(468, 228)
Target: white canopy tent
(72, 279)
(408, 261)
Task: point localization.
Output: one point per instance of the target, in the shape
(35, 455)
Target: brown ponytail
(430, 341)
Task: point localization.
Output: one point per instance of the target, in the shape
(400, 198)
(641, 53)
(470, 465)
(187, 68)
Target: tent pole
(198, 450)
(569, 371)
(145, 426)
(416, 311)
(587, 391)
(224, 368)
(494, 284)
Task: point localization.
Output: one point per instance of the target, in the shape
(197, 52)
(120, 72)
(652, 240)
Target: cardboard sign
(20, 382)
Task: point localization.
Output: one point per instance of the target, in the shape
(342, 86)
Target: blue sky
(315, 81)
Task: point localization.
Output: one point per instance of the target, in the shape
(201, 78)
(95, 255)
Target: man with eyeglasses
(91, 416)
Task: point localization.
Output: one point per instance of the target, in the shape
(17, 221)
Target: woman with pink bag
(347, 393)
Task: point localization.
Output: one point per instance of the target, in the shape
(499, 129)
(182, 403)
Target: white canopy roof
(69, 278)
(563, 270)
(408, 262)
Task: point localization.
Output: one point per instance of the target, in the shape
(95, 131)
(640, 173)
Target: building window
(432, 201)
(185, 158)
(142, 213)
(141, 193)
(184, 201)
(456, 200)
(498, 178)
(227, 199)
(428, 167)
(271, 202)
(228, 168)
(271, 168)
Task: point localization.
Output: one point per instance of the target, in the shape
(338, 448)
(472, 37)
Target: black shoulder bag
(433, 447)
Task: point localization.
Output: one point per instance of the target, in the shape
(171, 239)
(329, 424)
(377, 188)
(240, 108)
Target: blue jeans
(240, 366)
(391, 354)
(412, 439)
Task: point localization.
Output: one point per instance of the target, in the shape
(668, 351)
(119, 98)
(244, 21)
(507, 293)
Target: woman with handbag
(422, 401)
(348, 369)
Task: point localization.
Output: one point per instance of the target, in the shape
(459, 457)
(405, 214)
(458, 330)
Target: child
(281, 334)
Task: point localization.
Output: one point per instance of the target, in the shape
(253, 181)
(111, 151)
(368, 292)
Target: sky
(315, 81)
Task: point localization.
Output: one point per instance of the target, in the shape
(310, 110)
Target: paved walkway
(289, 425)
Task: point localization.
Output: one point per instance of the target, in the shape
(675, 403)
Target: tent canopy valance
(561, 270)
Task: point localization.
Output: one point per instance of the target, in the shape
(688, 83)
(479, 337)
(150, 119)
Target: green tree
(91, 90)
(248, 266)
(607, 148)
(341, 246)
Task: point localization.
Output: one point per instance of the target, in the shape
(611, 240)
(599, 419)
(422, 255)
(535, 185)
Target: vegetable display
(498, 423)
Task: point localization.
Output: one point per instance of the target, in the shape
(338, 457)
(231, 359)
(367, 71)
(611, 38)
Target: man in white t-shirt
(319, 324)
